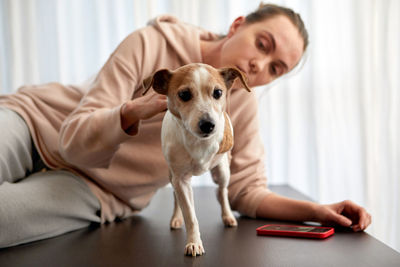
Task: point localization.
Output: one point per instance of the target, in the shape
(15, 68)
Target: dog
(196, 135)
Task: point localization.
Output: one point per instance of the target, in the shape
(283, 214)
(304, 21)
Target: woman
(75, 155)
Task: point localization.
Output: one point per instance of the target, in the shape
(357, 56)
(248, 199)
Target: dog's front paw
(229, 221)
(194, 249)
(176, 223)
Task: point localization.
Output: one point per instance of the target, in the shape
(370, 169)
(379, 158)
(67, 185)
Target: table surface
(146, 240)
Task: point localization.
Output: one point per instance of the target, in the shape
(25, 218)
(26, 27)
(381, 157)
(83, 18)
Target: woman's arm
(105, 116)
(278, 207)
(345, 213)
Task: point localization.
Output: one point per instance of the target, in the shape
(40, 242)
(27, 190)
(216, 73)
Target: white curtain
(330, 129)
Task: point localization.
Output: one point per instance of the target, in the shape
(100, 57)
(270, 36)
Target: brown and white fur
(196, 134)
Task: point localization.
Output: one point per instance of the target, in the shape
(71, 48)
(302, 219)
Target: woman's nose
(259, 71)
(257, 65)
(254, 68)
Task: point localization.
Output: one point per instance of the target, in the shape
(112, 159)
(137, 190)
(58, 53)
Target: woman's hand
(141, 108)
(345, 213)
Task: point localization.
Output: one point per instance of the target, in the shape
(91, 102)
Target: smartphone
(295, 231)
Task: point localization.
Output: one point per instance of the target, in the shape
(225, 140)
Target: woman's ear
(235, 25)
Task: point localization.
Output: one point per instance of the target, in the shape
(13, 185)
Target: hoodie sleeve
(92, 133)
(248, 182)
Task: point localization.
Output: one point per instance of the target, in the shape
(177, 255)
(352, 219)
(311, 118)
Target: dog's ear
(229, 75)
(159, 80)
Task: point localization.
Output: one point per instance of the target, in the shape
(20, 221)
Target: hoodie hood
(180, 36)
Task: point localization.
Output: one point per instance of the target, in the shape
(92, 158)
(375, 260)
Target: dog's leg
(177, 218)
(184, 195)
(220, 175)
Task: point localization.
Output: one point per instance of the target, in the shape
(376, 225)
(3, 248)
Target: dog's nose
(206, 126)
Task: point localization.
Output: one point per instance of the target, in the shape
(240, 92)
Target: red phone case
(295, 231)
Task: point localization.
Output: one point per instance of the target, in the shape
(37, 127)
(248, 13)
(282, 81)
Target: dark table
(146, 240)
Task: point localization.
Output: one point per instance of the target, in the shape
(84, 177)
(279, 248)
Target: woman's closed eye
(273, 70)
(264, 45)
(277, 68)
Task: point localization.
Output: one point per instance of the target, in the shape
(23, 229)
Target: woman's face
(263, 50)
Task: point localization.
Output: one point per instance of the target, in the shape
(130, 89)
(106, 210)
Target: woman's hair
(266, 11)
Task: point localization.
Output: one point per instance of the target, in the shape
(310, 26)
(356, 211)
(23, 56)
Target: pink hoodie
(79, 128)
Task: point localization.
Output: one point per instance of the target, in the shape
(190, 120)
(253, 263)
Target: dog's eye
(217, 93)
(185, 95)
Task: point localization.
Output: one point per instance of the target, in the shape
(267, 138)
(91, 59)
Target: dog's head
(196, 94)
